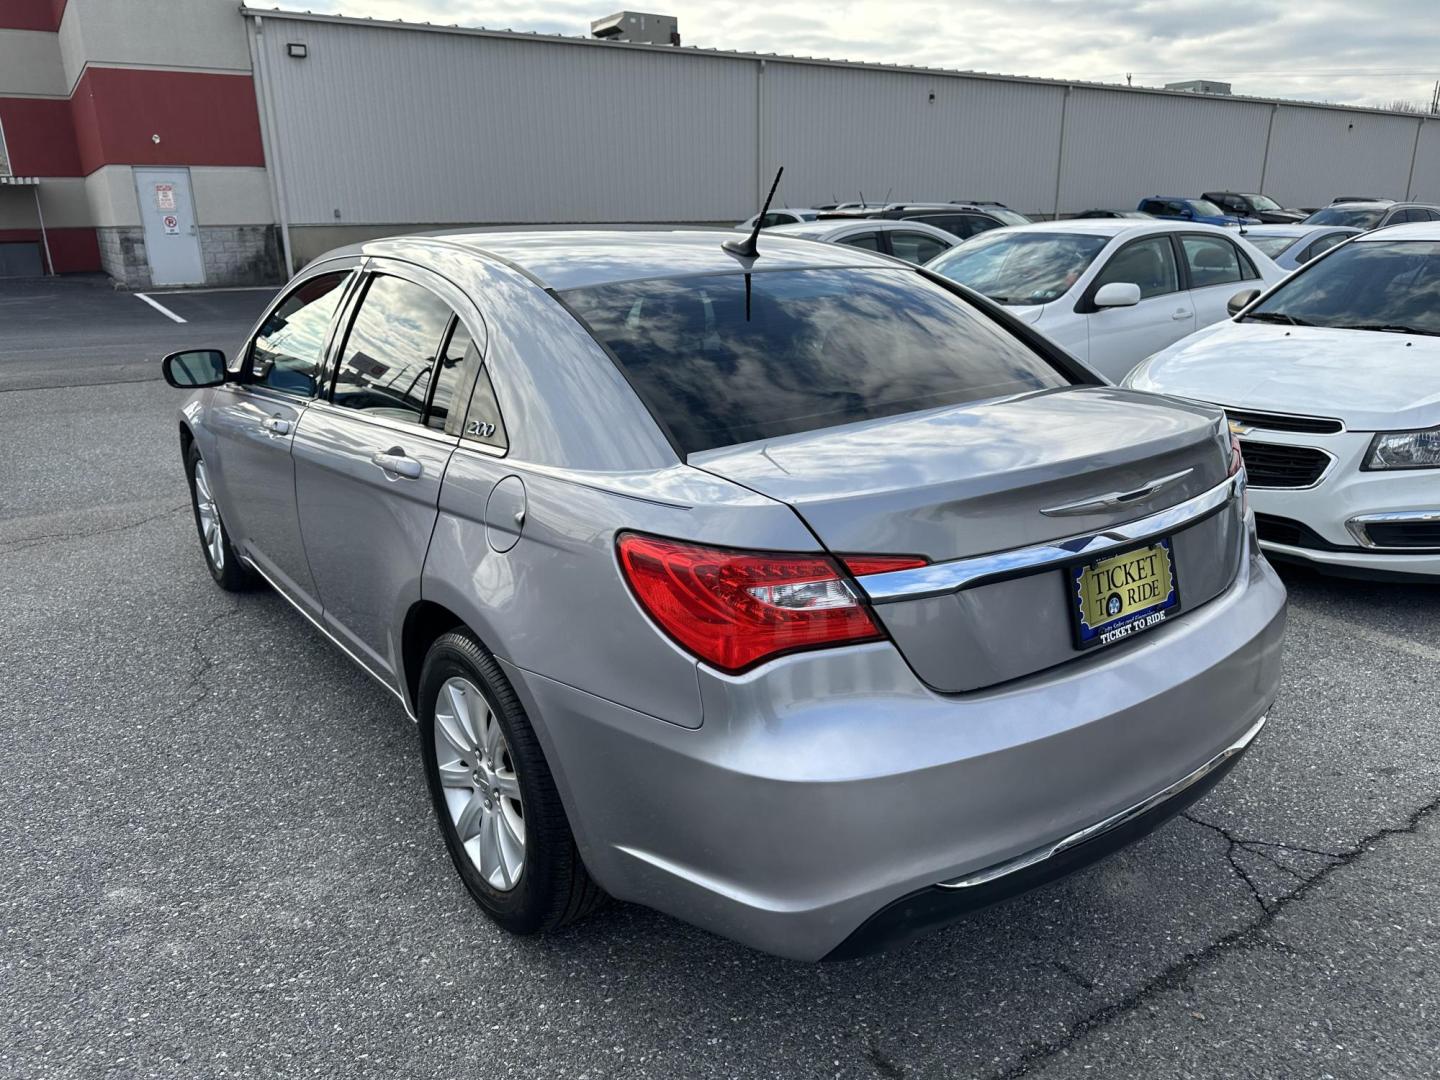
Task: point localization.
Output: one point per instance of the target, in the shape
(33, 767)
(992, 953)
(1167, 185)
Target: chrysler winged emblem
(1115, 500)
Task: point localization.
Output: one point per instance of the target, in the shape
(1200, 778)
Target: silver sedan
(801, 594)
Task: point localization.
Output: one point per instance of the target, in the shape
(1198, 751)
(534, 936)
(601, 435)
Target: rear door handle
(395, 463)
(276, 425)
(1181, 314)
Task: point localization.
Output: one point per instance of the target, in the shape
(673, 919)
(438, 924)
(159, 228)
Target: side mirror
(194, 368)
(1117, 294)
(1241, 300)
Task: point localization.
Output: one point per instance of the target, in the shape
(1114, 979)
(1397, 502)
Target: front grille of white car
(1304, 425)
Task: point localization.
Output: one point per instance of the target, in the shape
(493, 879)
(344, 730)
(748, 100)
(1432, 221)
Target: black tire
(232, 575)
(554, 888)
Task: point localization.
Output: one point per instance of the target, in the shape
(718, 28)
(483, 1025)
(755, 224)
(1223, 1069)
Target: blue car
(1201, 210)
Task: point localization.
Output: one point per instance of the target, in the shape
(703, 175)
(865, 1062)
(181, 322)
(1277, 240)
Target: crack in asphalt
(26, 542)
(204, 662)
(1251, 936)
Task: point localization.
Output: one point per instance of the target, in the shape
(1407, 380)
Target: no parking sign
(171, 223)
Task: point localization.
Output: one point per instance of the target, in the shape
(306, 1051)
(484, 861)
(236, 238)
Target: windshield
(1020, 267)
(1263, 202)
(1346, 215)
(1392, 286)
(1009, 217)
(1270, 245)
(1206, 208)
(729, 358)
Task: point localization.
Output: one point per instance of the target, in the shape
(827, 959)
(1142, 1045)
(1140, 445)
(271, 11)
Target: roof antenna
(746, 248)
(886, 201)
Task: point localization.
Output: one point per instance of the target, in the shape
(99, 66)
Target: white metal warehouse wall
(384, 125)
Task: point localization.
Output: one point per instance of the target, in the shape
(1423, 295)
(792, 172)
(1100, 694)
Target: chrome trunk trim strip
(939, 578)
(1040, 854)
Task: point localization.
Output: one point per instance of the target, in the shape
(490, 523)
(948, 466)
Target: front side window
(1264, 202)
(1149, 263)
(1211, 261)
(1021, 268)
(1389, 286)
(801, 350)
(289, 349)
(915, 247)
(389, 355)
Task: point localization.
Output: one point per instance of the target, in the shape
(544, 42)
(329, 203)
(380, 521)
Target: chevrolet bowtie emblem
(1237, 428)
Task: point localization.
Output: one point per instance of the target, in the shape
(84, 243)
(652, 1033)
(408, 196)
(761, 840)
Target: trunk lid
(973, 479)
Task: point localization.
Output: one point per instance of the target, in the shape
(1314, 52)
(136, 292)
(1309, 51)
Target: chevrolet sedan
(802, 595)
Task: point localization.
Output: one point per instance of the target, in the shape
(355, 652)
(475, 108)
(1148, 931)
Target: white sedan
(912, 241)
(1332, 381)
(1110, 292)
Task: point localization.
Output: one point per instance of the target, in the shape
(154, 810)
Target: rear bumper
(938, 905)
(825, 787)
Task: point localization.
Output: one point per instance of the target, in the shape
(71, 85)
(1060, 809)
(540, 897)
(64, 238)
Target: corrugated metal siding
(400, 126)
(1317, 154)
(389, 125)
(841, 132)
(1425, 185)
(1121, 148)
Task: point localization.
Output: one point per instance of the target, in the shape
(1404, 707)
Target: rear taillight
(860, 565)
(734, 609)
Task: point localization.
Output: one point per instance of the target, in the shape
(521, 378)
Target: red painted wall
(73, 250)
(31, 14)
(202, 119)
(40, 136)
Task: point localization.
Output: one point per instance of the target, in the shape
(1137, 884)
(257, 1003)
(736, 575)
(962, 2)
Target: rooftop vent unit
(637, 26)
(1200, 86)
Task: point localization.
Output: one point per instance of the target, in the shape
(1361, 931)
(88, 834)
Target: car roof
(577, 258)
(1411, 230)
(1372, 204)
(815, 229)
(1119, 227)
(1295, 229)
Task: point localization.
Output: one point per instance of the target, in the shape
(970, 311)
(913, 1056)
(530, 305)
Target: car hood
(1372, 381)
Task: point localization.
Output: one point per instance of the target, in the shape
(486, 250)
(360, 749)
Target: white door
(1216, 275)
(167, 212)
(1120, 337)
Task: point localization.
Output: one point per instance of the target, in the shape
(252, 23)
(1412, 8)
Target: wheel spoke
(460, 709)
(511, 836)
(448, 728)
(490, 858)
(471, 821)
(494, 737)
(509, 785)
(455, 774)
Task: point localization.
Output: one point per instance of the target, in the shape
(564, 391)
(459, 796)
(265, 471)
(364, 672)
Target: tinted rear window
(1341, 215)
(818, 348)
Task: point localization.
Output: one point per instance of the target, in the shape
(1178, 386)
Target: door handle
(1181, 314)
(276, 425)
(394, 462)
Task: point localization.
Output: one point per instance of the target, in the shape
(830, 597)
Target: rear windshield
(1343, 215)
(809, 349)
(1021, 268)
(1270, 245)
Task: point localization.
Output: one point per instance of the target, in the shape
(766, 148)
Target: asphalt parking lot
(220, 858)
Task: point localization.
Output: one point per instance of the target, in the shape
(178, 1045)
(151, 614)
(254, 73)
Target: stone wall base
(230, 255)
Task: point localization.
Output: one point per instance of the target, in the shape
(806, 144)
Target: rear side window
(806, 349)
(869, 241)
(1211, 261)
(389, 355)
(1324, 244)
(1273, 246)
(915, 247)
(287, 352)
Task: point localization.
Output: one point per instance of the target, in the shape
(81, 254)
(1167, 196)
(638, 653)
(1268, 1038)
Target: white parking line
(159, 307)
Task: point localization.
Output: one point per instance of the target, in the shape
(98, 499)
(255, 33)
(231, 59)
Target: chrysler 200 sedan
(803, 595)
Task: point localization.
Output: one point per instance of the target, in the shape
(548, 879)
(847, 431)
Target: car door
(254, 421)
(1120, 337)
(371, 454)
(1215, 270)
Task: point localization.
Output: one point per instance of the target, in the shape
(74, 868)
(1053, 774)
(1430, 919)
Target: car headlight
(1404, 450)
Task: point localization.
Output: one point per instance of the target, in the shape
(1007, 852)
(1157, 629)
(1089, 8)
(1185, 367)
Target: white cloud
(1323, 50)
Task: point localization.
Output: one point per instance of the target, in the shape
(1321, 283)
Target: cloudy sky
(1325, 50)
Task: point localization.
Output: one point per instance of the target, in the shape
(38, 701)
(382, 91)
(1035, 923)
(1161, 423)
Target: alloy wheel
(210, 532)
(482, 790)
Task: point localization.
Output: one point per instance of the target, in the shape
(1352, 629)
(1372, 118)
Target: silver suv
(805, 596)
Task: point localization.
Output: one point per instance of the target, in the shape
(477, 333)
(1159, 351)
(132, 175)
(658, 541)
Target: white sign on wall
(172, 224)
(165, 196)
